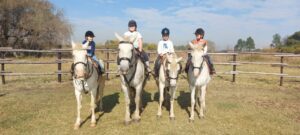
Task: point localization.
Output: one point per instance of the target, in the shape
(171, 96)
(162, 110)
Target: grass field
(252, 105)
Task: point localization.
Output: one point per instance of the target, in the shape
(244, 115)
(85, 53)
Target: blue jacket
(90, 52)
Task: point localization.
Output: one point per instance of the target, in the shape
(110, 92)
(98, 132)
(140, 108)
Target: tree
(293, 40)
(111, 44)
(239, 45)
(250, 44)
(277, 40)
(32, 24)
(211, 46)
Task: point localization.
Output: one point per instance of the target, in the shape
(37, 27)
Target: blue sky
(224, 21)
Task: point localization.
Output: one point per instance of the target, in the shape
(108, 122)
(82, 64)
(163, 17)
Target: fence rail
(107, 59)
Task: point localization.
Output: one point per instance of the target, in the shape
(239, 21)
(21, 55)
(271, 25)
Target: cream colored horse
(86, 79)
(167, 81)
(198, 78)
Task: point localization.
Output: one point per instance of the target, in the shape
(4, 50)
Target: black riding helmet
(132, 23)
(165, 32)
(199, 31)
(89, 34)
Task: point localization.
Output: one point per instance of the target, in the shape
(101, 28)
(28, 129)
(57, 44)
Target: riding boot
(72, 71)
(101, 65)
(148, 67)
(212, 70)
(187, 65)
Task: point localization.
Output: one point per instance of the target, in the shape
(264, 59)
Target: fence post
(2, 70)
(107, 64)
(234, 67)
(59, 66)
(281, 70)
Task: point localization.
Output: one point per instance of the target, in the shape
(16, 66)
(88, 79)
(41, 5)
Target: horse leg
(137, 99)
(161, 99)
(100, 93)
(172, 115)
(93, 106)
(202, 101)
(127, 104)
(78, 99)
(192, 88)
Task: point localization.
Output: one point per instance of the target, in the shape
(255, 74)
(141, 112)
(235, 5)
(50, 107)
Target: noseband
(126, 58)
(87, 69)
(172, 78)
(201, 65)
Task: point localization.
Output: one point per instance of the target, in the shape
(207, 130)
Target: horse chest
(202, 81)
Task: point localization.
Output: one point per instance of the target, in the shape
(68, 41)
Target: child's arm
(171, 47)
(205, 47)
(140, 43)
(159, 48)
(93, 48)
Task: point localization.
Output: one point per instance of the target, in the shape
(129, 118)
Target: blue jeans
(100, 65)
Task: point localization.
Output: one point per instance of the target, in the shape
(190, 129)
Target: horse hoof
(93, 124)
(191, 120)
(126, 123)
(172, 118)
(137, 120)
(76, 127)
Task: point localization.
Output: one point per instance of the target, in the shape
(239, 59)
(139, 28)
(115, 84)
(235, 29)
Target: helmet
(89, 34)
(165, 31)
(199, 31)
(132, 23)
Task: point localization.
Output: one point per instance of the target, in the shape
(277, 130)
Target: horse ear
(191, 45)
(179, 59)
(85, 46)
(73, 44)
(119, 37)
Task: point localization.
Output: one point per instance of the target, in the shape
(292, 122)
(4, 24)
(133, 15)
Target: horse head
(197, 54)
(126, 51)
(173, 68)
(80, 59)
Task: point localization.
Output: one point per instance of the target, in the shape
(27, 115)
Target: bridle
(132, 62)
(88, 72)
(167, 71)
(200, 67)
(126, 58)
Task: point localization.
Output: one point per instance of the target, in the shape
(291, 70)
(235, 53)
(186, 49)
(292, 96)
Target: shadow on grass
(167, 98)
(184, 101)
(227, 79)
(109, 102)
(3, 94)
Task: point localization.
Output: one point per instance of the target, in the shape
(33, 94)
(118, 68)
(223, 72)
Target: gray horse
(133, 77)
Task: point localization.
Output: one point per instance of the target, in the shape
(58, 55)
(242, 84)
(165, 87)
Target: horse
(167, 80)
(86, 79)
(198, 78)
(133, 77)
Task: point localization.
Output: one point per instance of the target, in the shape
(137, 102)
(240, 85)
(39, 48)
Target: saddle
(206, 59)
(96, 65)
(159, 61)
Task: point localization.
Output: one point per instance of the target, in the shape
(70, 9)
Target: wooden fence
(108, 61)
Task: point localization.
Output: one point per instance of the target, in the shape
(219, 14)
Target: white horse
(198, 78)
(86, 79)
(132, 76)
(168, 74)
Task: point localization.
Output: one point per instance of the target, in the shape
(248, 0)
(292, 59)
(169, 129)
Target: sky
(224, 21)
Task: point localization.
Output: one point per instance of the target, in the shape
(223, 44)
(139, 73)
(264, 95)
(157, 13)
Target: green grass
(241, 108)
(253, 105)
